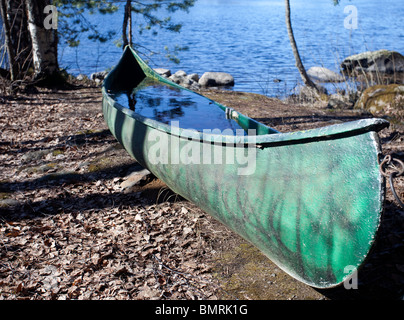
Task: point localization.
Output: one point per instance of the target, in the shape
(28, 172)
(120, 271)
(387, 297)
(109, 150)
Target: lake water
(170, 105)
(248, 39)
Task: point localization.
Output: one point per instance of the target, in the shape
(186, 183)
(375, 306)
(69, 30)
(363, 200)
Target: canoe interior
(309, 200)
(173, 106)
(132, 75)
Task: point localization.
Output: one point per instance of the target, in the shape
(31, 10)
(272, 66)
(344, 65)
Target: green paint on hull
(311, 200)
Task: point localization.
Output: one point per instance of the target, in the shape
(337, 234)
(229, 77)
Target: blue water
(170, 105)
(248, 39)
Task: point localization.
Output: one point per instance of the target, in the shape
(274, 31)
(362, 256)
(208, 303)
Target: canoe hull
(312, 204)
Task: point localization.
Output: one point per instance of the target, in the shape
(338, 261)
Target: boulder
(180, 73)
(177, 79)
(382, 61)
(193, 76)
(81, 77)
(308, 94)
(187, 81)
(163, 72)
(215, 79)
(337, 101)
(383, 99)
(321, 74)
(98, 75)
(181, 80)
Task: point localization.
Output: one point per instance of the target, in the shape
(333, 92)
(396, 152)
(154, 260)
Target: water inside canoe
(168, 104)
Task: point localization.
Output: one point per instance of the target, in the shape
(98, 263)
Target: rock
(213, 79)
(383, 61)
(193, 76)
(386, 99)
(136, 178)
(34, 155)
(163, 72)
(177, 79)
(372, 78)
(308, 94)
(98, 75)
(7, 203)
(81, 77)
(180, 73)
(321, 74)
(337, 101)
(195, 86)
(181, 78)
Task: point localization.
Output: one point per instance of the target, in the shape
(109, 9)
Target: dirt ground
(70, 229)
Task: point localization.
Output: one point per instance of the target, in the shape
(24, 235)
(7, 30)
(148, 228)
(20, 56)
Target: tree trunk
(20, 36)
(44, 42)
(9, 45)
(307, 81)
(125, 27)
(129, 4)
(127, 18)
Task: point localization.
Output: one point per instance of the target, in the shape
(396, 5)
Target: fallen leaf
(13, 233)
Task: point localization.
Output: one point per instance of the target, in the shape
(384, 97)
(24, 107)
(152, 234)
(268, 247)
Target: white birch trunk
(44, 41)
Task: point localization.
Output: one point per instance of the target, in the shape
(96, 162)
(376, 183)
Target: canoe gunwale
(331, 132)
(272, 139)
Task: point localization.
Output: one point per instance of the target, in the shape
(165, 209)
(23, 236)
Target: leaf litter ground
(71, 227)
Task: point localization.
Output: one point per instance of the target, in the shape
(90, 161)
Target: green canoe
(311, 201)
